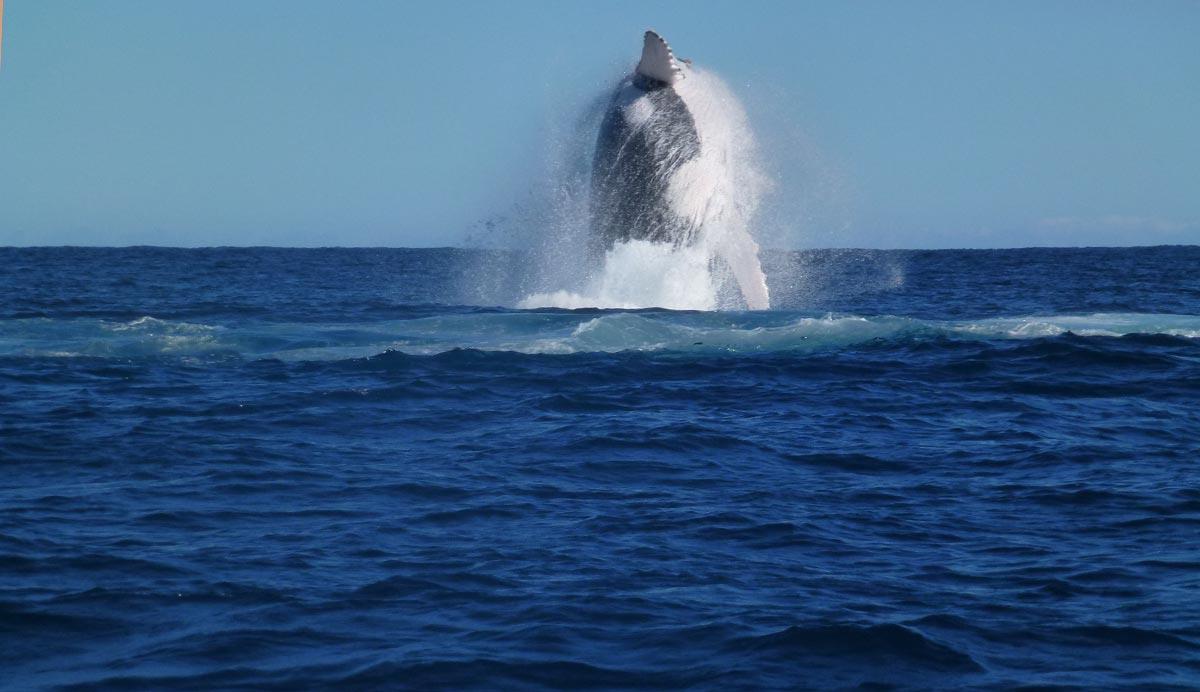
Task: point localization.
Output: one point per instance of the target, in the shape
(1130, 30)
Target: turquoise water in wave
(269, 468)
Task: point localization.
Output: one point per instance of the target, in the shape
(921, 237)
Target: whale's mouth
(658, 61)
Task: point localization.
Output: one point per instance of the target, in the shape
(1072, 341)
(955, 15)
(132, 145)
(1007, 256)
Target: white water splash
(640, 274)
(720, 190)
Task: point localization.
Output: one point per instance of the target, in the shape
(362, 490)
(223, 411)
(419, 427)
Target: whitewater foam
(548, 332)
(639, 274)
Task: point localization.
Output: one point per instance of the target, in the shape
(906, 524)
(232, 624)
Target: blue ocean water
(274, 468)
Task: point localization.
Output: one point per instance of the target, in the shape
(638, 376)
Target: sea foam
(553, 331)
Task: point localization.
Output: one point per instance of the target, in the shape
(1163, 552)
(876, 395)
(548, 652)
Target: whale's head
(658, 63)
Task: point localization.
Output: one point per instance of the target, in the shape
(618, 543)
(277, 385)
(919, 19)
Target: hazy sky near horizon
(373, 122)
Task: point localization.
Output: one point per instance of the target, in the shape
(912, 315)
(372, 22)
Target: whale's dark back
(633, 165)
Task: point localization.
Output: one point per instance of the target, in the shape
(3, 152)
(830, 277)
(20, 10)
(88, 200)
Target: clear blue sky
(305, 122)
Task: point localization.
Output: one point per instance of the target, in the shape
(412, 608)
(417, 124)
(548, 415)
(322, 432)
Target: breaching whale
(659, 176)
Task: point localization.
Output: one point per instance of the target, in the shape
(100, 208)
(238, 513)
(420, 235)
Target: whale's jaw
(658, 61)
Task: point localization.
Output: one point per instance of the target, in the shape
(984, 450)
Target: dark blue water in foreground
(318, 469)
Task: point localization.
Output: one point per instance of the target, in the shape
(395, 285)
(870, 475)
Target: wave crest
(553, 332)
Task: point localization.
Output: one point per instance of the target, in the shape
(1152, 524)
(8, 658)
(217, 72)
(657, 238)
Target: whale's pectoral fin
(658, 62)
(742, 259)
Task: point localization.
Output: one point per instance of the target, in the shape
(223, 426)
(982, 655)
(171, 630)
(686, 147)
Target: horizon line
(510, 249)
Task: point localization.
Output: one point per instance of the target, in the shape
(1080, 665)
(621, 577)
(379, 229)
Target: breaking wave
(549, 332)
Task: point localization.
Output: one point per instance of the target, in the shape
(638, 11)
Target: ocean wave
(552, 332)
(900, 644)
